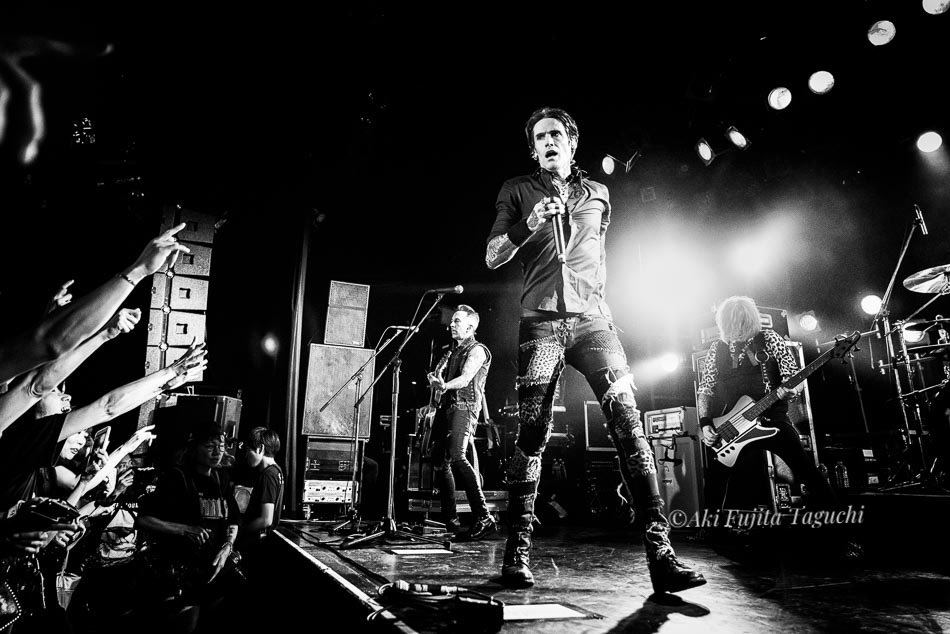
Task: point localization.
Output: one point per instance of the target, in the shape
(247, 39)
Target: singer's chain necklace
(563, 187)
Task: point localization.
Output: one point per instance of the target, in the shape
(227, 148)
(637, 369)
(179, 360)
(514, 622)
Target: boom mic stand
(387, 528)
(352, 513)
(908, 432)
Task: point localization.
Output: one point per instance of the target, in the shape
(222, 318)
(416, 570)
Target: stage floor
(771, 579)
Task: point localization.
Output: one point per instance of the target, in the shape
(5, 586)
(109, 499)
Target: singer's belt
(542, 315)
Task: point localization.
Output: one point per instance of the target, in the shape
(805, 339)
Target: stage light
(881, 32)
(821, 82)
(738, 139)
(270, 345)
(705, 151)
(780, 97)
(669, 362)
(808, 321)
(870, 304)
(929, 142)
(936, 7)
(609, 163)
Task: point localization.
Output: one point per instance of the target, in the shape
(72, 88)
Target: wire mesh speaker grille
(346, 314)
(329, 369)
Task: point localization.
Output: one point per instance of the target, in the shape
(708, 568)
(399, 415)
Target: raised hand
(189, 366)
(123, 322)
(141, 435)
(61, 298)
(159, 251)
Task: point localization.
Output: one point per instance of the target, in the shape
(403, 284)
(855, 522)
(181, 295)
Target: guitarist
(466, 369)
(748, 360)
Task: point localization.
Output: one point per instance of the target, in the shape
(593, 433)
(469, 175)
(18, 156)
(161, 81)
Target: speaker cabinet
(179, 296)
(329, 368)
(346, 314)
(679, 473)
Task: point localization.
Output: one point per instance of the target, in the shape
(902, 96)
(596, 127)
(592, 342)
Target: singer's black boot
(516, 571)
(666, 571)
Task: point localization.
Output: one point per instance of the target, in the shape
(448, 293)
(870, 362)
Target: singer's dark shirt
(577, 287)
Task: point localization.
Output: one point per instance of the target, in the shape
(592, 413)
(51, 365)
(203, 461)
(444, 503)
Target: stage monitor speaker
(679, 473)
(346, 314)
(179, 413)
(329, 368)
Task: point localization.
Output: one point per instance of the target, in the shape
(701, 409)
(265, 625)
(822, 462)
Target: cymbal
(928, 349)
(933, 280)
(924, 324)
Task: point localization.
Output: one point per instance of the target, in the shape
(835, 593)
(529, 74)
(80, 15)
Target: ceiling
(394, 124)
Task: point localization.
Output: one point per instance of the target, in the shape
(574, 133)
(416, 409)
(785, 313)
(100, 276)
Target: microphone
(920, 219)
(456, 290)
(425, 588)
(401, 328)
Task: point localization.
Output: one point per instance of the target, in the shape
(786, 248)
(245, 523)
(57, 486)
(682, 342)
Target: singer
(466, 367)
(565, 319)
(752, 361)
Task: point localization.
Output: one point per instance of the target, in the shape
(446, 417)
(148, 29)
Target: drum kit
(925, 408)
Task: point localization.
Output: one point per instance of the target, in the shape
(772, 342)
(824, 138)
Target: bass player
(752, 361)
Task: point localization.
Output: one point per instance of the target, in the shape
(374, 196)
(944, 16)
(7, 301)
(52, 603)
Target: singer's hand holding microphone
(546, 207)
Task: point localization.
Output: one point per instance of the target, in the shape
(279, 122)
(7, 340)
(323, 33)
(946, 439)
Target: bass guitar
(741, 427)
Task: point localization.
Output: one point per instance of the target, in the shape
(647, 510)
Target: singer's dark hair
(551, 113)
(465, 308)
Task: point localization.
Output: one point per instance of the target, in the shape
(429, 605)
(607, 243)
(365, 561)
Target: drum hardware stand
(894, 361)
(386, 529)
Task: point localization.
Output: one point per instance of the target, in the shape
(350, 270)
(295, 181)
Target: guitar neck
(771, 398)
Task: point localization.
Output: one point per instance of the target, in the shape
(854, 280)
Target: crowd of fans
(100, 539)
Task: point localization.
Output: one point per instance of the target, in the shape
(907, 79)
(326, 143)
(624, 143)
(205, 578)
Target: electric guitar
(740, 427)
(426, 415)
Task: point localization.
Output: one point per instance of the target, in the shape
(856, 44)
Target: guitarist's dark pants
(735, 487)
(452, 442)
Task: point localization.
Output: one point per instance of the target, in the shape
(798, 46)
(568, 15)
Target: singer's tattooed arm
(500, 251)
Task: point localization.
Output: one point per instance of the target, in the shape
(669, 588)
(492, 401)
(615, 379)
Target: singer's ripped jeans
(590, 344)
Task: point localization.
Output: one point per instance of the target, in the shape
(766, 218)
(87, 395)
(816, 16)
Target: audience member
(190, 526)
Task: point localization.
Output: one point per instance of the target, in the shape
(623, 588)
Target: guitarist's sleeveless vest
(469, 397)
(745, 379)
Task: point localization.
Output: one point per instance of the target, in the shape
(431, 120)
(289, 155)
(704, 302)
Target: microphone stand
(352, 513)
(387, 527)
(908, 432)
